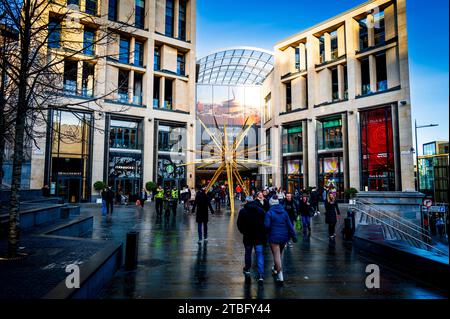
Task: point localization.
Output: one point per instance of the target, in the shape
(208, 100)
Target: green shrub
(99, 185)
(150, 186)
(350, 192)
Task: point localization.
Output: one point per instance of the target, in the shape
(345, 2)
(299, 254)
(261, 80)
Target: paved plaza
(172, 265)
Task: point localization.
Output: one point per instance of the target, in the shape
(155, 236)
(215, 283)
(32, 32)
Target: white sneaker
(205, 240)
(199, 242)
(280, 277)
(274, 272)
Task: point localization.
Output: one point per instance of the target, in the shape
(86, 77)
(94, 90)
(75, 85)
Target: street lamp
(417, 150)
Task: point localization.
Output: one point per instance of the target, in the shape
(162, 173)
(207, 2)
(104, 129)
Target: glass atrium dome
(235, 66)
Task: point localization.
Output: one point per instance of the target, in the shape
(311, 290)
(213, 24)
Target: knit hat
(274, 200)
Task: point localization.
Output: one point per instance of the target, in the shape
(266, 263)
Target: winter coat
(331, 209)
(278, 225)
(250, 223)
(291, 208)
(314, 198)
(202, 203)
(265, 205)
(304, 208)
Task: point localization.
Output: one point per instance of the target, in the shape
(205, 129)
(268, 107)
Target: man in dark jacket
(202, 203)
(109, 201)
(291, 207)
(261, 201)
(305, 212)
(314, 200)
(143, 197)
(250, 223)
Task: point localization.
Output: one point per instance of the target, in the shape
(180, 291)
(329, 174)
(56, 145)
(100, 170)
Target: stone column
(341, 84)
(176, 16)
(373, 73)
(396, 147)
(162, 82)
(312, 153)
(354, 155)
(327, 43)
(305, 158)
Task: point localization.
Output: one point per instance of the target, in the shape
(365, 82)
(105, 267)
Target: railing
(394, 227)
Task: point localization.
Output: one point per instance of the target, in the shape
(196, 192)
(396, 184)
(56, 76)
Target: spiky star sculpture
(228, 157)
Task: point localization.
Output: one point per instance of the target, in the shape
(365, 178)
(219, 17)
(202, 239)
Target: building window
(87, 82)
(123, 85)
(168, 94)
(169, 17)
(365, 76)
(381, 72)
(345, 82)
(334, 45)
(137, 90)
(181, 63)
(268, 108)
(54, 30)
(70, 76)
(268, 143)
(334, 84)
(329, 133)
(91, 7)
(378, 28)
(156, 88)
(75, 2)
(377, 150)
(138, 54)
(292, 139)
(322, 48)
(123, 135)
(157, 59)
(124, 50)
(288, 96)
(363, 34)
(297, 58)
(331, 170)
(88, 41)
(139, 16)
(429, 149)
(113, 9)
(182, 20)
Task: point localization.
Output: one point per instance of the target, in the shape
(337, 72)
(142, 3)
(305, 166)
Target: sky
(262, 23)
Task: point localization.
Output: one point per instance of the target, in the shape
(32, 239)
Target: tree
(49, 33)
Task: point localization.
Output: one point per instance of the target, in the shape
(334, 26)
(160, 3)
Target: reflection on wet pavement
(172, 264)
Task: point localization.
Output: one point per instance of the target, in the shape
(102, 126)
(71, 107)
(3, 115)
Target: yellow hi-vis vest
(174, 193)
(159, 193)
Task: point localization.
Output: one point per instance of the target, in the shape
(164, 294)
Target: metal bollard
(348, 228)
(131, 250)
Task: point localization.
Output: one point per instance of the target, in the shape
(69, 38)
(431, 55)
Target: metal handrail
(399, 220)
(404, 233)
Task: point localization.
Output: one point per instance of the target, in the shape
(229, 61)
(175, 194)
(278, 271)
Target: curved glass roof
(235, 66)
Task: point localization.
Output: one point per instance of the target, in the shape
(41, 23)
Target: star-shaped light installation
(228, 157)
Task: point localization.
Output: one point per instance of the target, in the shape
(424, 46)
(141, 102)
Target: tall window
(268, 143)
(334, 45)
(91, 6)
(363, 34)
(169, 17)
(381, 72)
(182, 20)
(181, 63)
(168, 94)
(88, 41)
(345, 82)
(87, 82)
(157, 59)
(365, 76)
(124, 50)
(139, 16)
(378, 27)
(123, 135)
(292, 139)
(123, 85)
(113, 9)
(331, 134)
(334, 84)
(137, 90)
(268, 107)
(322, 48)
(138, 53)
(54, 30)
(297, 58)
(288, 97)
(70, 76)
(156, 87)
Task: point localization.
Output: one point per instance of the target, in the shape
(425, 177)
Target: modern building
(433, 171)
(143, 77)
(337, 104)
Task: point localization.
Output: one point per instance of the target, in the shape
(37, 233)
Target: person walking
(314, 200)
(159, 198)
(291, 207)
(261, 201)
(143, 196)
(281, 195)
(175, 199)
(238, 192)
(109, 202)
(331, 215)
(104, 198)
(202, 204)
(280, 231)
(192, 199)
(305, 212)
(217, 198)
(168, 203)
(185, 195)
(250, 223)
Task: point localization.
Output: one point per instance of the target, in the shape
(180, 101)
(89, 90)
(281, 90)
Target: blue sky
(262, 23)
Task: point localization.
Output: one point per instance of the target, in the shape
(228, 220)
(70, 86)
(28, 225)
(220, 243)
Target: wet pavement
(172, 265)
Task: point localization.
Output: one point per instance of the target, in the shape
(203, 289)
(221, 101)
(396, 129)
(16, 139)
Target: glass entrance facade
(292, 150)
(377, 150)
(70, 156)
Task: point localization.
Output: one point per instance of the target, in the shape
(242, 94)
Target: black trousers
(174, 208)
(109, 207)
(159, 205)
(331, 229)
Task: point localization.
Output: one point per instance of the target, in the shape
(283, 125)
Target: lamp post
(417, 150)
